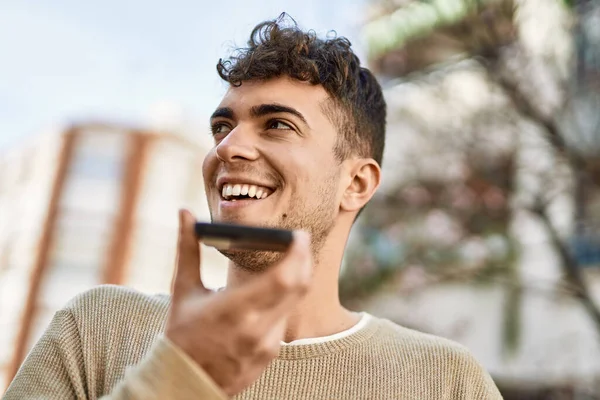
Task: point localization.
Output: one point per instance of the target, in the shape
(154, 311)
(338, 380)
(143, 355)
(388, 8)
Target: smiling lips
(233, 192)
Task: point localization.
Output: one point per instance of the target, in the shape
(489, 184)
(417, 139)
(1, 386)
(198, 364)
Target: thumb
(187, 273)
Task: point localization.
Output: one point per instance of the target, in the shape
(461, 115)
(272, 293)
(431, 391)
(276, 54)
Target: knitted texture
(108, 343)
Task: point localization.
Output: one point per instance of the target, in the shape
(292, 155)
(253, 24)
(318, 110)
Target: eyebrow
(260, 111)
(274, 108)
(223, 112)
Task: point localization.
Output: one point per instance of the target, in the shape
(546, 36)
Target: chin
(252, 260)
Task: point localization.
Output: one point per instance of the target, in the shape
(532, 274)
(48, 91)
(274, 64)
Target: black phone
(231, 236)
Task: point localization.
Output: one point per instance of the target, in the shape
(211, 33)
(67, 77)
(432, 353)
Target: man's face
(273, 163)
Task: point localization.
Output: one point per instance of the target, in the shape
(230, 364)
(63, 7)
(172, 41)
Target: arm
(214, 344)
(167, 373)
(55, 370)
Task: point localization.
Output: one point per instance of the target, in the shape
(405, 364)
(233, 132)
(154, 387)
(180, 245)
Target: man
(299, 138)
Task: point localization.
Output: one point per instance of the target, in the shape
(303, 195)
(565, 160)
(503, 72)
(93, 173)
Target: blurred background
(486, 229)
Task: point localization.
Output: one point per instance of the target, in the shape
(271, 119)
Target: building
(87, 205)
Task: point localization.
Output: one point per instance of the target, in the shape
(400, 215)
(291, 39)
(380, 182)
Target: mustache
(248, 171)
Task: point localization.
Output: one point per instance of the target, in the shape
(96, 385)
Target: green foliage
(417, 19)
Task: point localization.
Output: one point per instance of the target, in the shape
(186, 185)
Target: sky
(126, 61)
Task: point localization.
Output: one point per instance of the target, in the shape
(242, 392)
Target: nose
(238, 145)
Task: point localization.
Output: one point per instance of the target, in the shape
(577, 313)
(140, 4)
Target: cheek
(305, 171)
(311, 179)
(302, 172)
(209, 166)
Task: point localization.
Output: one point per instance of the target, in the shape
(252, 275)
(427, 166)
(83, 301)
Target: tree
(554, 88)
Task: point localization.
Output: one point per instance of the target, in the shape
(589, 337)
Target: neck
(319, 313)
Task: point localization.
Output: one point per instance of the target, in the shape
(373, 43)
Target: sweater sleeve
(55, 369)
(167, 373)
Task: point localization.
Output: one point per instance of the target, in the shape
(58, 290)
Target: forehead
(302, 96)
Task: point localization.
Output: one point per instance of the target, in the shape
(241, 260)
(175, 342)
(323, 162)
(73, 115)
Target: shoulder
(113, 306)
(110, 296)
(415, 344)
(441, 362)
(109, 328)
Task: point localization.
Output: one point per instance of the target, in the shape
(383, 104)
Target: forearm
(166, 373)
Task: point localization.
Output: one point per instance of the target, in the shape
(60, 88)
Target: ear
(365, 177)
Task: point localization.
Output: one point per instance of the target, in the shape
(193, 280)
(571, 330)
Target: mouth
(244, 191)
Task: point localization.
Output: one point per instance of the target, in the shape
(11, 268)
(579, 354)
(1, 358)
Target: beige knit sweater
(107, 343)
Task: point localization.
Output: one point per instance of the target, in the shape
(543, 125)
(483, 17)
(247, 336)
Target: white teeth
(257, 192)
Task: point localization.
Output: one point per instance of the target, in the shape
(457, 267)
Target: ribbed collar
(304, 351)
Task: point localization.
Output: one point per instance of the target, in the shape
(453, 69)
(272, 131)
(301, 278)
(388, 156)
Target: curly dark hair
(356, 104)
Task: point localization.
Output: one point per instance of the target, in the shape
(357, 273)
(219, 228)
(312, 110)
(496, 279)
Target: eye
(279, 125)
(220, 128)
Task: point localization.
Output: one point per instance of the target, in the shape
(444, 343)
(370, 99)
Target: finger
(284, 282)
(187, 273)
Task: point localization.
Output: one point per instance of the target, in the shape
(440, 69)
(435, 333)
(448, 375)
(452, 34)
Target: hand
(234, 334)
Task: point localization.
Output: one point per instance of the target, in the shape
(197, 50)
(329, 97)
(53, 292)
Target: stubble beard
(315, 215)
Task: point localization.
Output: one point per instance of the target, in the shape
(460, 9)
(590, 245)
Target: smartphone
(230, 236)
